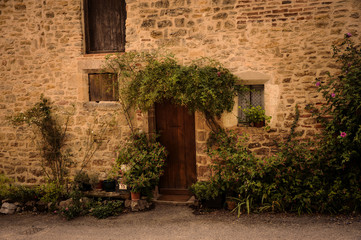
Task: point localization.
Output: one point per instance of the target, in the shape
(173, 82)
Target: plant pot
(231, 204)
(99, 185)
(135, 195)
(109, 185)
(259, 124)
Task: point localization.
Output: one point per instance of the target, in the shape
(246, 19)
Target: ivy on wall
(148, 78)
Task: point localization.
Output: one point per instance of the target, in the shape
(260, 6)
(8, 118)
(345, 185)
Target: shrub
(106, 209)
(23, 194)
(340, 143)
(145, 159)
(233, 165)
(205, 190)
(71, 212)
(5, 184)
(52, 192)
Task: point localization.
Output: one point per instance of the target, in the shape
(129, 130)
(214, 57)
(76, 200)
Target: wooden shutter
(103, 87)
(105, 25)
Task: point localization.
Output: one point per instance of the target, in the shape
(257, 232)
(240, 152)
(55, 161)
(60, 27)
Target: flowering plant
(341, 116)
(145, 159)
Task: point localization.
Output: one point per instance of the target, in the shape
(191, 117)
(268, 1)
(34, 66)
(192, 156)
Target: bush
(5, 184)
(71, 212)
(52, 192)
(145, 159)
(233, 166)
(205, 190)
(23, 194)
(106, 209)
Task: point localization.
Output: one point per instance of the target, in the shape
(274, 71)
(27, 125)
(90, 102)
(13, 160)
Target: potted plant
(256, 116)
(82, 181)
(145, 159)
(94, 181)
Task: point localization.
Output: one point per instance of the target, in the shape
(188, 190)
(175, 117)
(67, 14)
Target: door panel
(176, 127)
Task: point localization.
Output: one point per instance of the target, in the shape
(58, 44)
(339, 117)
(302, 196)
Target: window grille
(254, 97)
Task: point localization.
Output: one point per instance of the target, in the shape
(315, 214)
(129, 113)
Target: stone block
(66, 203)
(137, 205)
(8, 208)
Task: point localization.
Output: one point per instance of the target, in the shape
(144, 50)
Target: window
(104, 25)
(254, 97)
(103, 87)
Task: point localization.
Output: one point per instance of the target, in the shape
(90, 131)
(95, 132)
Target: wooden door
(176, 127)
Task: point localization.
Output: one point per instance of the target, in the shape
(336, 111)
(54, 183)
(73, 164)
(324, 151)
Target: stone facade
(283, 44)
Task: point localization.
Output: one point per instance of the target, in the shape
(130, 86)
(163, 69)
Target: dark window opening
(103, 87)
(104, 25)
(254, 98)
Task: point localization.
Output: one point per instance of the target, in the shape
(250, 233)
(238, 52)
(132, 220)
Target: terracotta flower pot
(259, 124)
(99, 185)
(135, 195)
(231, 204)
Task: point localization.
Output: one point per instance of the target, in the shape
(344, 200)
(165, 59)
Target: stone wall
(283, 44)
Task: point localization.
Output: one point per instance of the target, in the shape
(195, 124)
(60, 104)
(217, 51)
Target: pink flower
(66, 209)
(343, 134)
(348, 35)
(318, 84)
(333, 95)
(218, 74)
(55, 211)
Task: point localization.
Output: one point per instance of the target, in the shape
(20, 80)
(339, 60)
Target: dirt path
(178, 222)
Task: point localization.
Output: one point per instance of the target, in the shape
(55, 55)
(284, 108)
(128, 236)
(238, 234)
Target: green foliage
(147, 78)
(5, 184)
(106, 209)
(255, 114)
(17, 193)
(77, 207)
(71, 212)
(341, 116)
(52, 192)
(53, 138)
(205, 190)
(298, 179)
(144, 159)
(82, 181)
(234, 167)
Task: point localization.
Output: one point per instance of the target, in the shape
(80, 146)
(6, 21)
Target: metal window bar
(254, 97)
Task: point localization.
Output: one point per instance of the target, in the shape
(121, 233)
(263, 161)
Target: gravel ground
(179, 222)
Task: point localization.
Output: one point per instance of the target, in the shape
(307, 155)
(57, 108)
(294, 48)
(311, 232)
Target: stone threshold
(189, 202)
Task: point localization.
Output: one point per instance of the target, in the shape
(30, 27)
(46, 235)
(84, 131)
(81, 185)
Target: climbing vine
(148, 78)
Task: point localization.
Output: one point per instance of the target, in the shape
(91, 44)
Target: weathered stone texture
(42, 51)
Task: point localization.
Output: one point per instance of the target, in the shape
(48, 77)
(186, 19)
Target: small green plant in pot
(256, 116)
(82, 181)
(145, 159)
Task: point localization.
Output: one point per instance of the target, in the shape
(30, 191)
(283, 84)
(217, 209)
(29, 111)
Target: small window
(104, 25)
(254, 97)
(103, 87)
